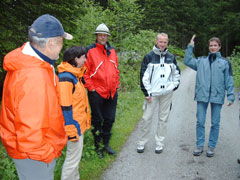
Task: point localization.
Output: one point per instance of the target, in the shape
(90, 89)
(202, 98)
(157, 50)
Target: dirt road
(177, 162)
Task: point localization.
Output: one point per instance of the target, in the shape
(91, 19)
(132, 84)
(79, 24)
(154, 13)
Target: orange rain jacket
(73, 100)
(31, 120)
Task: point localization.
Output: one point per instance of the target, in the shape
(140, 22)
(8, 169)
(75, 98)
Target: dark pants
(103, 113)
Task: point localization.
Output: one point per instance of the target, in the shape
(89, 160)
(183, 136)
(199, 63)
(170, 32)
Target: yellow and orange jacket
(31, 119)
(73, 100)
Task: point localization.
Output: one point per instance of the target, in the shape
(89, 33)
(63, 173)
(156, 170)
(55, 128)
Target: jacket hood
(23, 57)
(66, 67)
(158, 52)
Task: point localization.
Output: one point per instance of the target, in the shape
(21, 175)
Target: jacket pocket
(221, 93)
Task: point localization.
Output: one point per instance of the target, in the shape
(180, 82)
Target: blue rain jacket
(214, 77)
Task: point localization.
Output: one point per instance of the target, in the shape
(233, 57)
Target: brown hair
(71, 53)
(215, 39)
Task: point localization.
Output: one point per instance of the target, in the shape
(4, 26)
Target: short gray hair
(162, 34)
(41, 42)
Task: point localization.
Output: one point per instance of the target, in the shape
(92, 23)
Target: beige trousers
(161, 106)
(73, 157)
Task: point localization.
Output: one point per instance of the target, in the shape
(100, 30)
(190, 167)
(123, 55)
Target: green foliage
(17, 16)
(121, 14)
(118, 16)
(176, 51)
(205, 18)
(235, 61)
(87, 23)
(139, 43)
(174, 18)
(227, 25)
(129, 76)
(7, 168)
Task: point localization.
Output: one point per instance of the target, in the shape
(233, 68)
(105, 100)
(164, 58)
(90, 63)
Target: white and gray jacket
(160, 73)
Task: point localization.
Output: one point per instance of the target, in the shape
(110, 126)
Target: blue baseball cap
(47, 26)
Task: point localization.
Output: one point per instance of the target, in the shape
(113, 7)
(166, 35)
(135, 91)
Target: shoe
(109, 150)
(158, 149)
(210, 152)
(238, 161)
(198, 151)
(140, 149)
(100, 153)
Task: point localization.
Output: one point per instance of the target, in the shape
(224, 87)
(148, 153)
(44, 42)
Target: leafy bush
(138, 44)
(7, 168)
(178, 52)
(235, 60)
(129, 76)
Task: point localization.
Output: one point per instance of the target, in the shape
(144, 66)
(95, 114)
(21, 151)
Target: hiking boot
(100, 153)
(210, 152)
(159, 149)
(198, 151)
(140, 149)
(109, 150)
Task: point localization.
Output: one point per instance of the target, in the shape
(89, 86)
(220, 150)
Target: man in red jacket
(102, 81)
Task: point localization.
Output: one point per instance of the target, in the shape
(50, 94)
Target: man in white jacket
(159, 77)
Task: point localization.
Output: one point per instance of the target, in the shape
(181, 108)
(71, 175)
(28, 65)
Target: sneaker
(210, 152)
(158, 149)
(140, 149)
(198, 151)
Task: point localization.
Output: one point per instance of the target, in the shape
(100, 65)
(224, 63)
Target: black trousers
(103, 113)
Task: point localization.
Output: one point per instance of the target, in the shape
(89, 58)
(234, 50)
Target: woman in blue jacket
(214, 77)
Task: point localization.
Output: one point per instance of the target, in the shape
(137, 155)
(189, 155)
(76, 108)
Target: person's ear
(51, 43)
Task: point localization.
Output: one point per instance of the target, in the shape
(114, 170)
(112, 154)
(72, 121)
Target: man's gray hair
(162, 34)
(40, 42)
(35, 40)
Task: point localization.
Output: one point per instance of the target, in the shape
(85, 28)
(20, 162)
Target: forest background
(133, 26)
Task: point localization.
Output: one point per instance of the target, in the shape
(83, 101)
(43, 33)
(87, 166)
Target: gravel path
(177, 162)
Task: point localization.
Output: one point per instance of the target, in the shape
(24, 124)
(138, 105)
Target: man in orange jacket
(31, 120)
(102, 81)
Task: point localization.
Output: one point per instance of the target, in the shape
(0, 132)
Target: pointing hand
(192, 40)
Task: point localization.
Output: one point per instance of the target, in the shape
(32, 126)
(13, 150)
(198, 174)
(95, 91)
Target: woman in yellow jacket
(74, 103)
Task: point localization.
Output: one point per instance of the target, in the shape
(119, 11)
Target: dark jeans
(103, 113)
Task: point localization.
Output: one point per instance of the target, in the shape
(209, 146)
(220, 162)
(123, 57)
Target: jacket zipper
(151, 74)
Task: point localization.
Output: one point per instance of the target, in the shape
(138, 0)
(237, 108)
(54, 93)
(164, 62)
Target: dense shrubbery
(235, 60)
(79, 17)
(7, 169)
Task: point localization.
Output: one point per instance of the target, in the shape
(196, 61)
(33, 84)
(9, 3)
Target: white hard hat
(102, 28)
